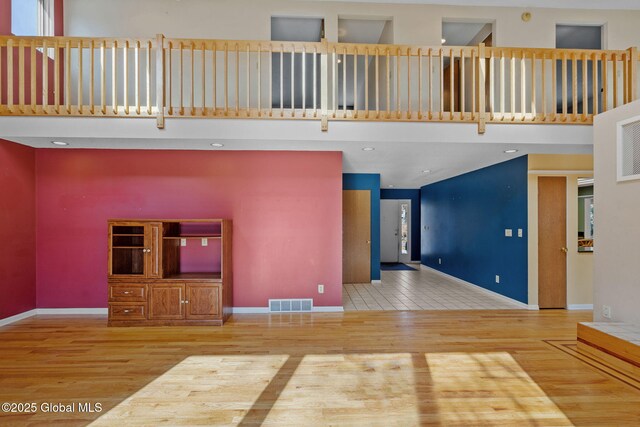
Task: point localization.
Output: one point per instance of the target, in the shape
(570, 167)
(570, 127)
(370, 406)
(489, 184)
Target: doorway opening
(294, 29)
(578, 37)
(395, 231)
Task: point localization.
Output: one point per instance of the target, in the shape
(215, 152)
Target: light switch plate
(508, 232)
(320, 289)
(183, 242)
(205, 242)
(519, 232)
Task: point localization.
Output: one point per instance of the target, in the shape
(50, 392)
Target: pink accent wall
(286, 208)
(17, 229)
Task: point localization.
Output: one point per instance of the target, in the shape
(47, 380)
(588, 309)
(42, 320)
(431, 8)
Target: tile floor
(418, 290)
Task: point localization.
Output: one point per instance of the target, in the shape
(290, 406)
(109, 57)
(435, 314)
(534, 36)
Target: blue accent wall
(463, 223)
(371, 182)
(414, 196)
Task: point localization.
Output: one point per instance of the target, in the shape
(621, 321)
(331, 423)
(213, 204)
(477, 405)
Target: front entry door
(552, 242)
(356, 236)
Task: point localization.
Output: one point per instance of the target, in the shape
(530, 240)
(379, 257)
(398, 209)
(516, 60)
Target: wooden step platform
(614, 344)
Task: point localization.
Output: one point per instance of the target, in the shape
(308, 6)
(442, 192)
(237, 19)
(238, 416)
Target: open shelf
(191, 237)
(195, 276)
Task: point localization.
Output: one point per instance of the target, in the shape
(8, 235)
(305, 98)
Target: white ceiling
(527, 4)
(402, 150)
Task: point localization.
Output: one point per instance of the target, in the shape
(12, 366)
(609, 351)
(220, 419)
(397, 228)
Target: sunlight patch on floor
(341, 389)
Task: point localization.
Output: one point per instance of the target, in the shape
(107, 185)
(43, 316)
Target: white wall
(412, 24)
(617, 256)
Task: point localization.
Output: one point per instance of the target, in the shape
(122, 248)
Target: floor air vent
(290, 305)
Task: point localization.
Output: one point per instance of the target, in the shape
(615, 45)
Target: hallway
(419, 290)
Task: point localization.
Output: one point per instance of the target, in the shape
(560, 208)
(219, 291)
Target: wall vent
(629, 149)
(290, 305)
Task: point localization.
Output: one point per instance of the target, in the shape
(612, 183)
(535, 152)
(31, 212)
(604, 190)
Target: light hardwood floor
(361, 368)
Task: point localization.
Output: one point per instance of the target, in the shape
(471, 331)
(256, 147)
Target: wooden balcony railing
(162, 77)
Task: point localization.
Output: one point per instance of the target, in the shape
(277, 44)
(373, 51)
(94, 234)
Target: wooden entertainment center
(169, 272)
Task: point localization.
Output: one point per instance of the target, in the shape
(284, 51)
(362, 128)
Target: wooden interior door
(202, 302)
(552, 242)
(356, 236)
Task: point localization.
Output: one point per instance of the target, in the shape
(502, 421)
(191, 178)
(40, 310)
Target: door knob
(368, 242)
(565, 250)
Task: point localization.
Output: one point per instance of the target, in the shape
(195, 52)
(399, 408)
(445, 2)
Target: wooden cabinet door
(166, 301)
(153, 245)
(127, 249)
(203, 302)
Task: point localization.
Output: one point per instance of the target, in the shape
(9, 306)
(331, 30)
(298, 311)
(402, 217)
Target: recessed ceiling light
(61, 143)
(511, 151)
(368, 149)
(217, 145)
(443, 40)
(426, 171)
(390, 185)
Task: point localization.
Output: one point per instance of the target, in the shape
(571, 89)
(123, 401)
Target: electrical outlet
(204, 242)
(497, 279)
(508, 232)
(606, 311)
(183, 242)
(321, 289)
(439, 260)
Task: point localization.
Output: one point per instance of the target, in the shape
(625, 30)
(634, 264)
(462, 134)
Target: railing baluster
(193, 82)
(260, 80)
(409, 83)
(462, 83)
(32, 69)
(533, 86)
(136, 61)
(420, 84)
(615, 81)
(574, 87)
(103, 78)
(544, 86)
(281, 80)
(10, 82)
(181, 78)
(315, 81)
(226, 78)
(21, 70)
(304, 81)
(492, 107)
(355, 83)
(502, 85)
(45, 77)
(80, 103)
(523, 86)
(605, 82)
(441, 83)
(475, 84)
(270, 80)
(170, 67)
(564, 86)
(125, 72)
(149, 78)
(398, 59)
(554, 86)
(293, 73)
(344, 82)
(161, 79)
(366, 82)
(595, 89)
(214, 76)
(237, 80)
(67, 77)
(512, 91)
(451, 84)
(585, 97)
(377, 83)
(248, 80)
(625, 92)
(56, 76)
(114, 72)
(334, 87)
(430, 77)
(388, 76)
(1, 70)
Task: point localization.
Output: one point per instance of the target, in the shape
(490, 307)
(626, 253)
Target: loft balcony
(325, 81)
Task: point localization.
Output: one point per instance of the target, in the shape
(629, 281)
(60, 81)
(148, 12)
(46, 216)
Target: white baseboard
(376, 281)
(265, 310)
(580, 307)
(480, 288)
(65, 311)
(52, 312)
(17, 317)
(533, 307)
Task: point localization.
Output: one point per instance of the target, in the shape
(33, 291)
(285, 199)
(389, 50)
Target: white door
(389, 230)
(404, 235)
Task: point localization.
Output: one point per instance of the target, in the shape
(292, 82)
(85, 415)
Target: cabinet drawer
(128, 293)
(127, 311)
